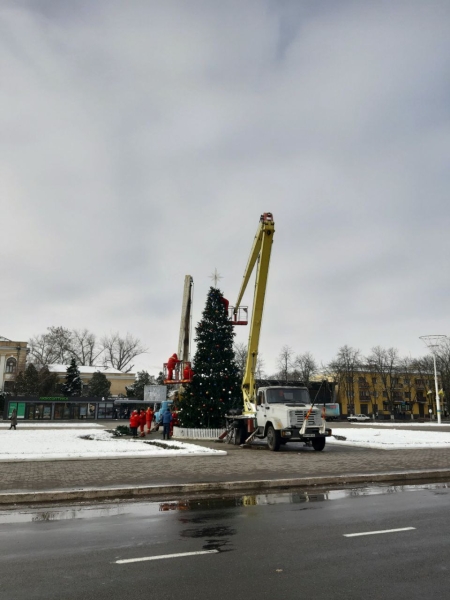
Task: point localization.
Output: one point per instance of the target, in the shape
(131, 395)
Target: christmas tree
(73, 384)
(215, 386)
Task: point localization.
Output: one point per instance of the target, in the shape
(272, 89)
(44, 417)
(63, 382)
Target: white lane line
(161, 556)
(377, 532)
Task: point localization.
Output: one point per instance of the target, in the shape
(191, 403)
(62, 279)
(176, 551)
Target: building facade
(119, 381)
(13, 356)
(403, 395)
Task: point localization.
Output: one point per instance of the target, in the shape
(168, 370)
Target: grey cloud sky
(141, 141)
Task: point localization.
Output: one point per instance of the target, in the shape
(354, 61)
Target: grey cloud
(141, 142)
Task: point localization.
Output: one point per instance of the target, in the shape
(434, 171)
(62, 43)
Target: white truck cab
(285, 414)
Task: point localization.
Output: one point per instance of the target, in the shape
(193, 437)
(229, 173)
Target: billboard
(155, 393)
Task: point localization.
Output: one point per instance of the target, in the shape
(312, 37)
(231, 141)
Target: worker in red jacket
(134, 422)
(187, 371)
(174, 421)
(149, 418)
(225, 303)
(171, 364)
(142, 421)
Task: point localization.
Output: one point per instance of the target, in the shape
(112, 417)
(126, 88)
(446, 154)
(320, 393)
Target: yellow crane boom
(260, 255)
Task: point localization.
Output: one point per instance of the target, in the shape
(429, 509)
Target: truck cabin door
(261, 408)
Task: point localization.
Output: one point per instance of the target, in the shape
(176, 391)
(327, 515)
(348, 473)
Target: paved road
(274, 546)
(240, 464)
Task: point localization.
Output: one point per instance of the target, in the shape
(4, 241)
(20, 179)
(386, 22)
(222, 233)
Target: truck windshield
(288, 396)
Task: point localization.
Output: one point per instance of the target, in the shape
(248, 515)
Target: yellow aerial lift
(276, 413)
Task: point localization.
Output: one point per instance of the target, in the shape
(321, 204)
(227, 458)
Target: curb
(149, 491)
(162, 454)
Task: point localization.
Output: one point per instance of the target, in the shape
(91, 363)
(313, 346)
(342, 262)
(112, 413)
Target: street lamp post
(433, 342)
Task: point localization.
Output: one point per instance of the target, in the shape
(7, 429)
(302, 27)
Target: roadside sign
(155, 393)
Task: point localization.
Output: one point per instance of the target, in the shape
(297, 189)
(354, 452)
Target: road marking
(376, 532)
(161, 556)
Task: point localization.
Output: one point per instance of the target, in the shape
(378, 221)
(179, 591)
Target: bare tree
(51, 347)
(118, 352)
(343, 368)
(285, 363)
(304, 367)
(424, 383)
(443, 366)
(84, 347)
(407, 368)
(240, 356)
(385, 363)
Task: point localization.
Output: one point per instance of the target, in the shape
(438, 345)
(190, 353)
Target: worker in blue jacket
(166, 420)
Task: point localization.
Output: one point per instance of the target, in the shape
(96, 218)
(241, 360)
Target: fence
(197, 434)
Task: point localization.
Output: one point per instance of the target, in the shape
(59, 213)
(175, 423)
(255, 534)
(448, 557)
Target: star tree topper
(215, 277)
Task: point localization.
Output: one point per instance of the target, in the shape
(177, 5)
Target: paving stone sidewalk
(240, 464)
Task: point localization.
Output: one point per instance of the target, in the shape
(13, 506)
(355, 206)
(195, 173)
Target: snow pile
(70, 444)
(391, 439)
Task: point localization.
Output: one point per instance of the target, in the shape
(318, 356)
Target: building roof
(87, 370)
(3, 339)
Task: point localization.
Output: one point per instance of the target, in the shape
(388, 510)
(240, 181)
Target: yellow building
(13, 356)
(409, 395)
(118, 380)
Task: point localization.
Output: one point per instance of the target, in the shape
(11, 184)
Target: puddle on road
(211, 503)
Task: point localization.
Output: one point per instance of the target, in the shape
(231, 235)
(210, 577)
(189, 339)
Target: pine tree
(47, 382)
(73, 384)
(137, 389)
(27, 383)
(99, 385)
(215, 386)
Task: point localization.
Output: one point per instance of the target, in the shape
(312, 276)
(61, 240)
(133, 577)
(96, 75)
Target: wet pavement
(244, 546)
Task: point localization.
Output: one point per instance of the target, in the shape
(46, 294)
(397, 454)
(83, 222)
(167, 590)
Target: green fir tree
(99, 385)
(215, 386)
(27, 383)
(137, 389)
(73, 384)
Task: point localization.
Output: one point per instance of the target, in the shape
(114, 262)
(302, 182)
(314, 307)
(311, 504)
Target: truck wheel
(273, 439)
(241, 435)
(318, 444)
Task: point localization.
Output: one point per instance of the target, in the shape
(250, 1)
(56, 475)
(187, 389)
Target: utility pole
(433, 343)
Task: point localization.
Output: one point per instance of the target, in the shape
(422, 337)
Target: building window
(374, 381)
(11, 365)
(407, 381)
(407, 394)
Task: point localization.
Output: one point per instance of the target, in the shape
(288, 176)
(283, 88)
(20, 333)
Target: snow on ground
(68, 444)
(391, 439)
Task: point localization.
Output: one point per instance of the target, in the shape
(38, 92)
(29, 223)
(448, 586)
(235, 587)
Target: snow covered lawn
(50, 445)
(391, 439)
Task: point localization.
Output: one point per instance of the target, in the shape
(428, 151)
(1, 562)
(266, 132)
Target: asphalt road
(250, 547)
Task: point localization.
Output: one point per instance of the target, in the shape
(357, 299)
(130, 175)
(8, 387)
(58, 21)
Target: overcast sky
(140, 141)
